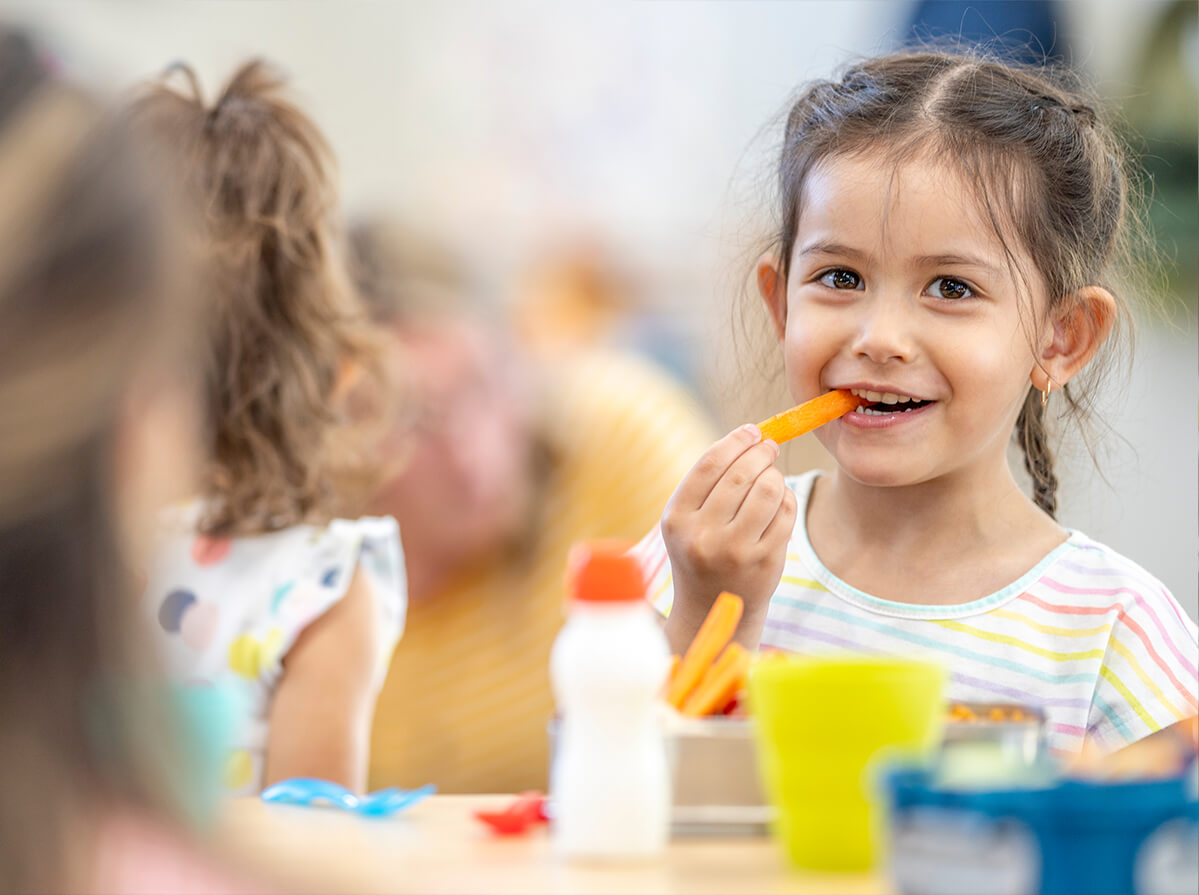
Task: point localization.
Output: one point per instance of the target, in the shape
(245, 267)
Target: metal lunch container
(714, 775)
(1018, 730)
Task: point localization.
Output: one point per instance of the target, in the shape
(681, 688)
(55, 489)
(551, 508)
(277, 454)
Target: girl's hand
(726, 528)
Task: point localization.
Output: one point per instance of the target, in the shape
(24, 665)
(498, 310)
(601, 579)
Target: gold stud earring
(1045, 392)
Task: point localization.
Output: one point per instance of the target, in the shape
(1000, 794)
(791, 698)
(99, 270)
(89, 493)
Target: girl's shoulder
(1089, 576)
(1088, 563)
(282, 579)
(313, 547)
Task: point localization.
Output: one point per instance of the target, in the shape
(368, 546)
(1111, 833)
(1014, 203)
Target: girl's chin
(879, 474)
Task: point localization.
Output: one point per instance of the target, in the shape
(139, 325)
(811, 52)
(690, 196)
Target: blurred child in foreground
(100, 765)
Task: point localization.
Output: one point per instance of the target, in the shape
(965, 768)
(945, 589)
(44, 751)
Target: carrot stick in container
(720, 683)
(809, 415)
(716, 631)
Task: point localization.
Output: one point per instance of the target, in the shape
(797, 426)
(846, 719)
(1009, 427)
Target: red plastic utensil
(527, 809)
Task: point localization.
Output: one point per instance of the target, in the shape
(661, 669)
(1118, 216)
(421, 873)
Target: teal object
(194, 728)
(313, 791)
(207, 716)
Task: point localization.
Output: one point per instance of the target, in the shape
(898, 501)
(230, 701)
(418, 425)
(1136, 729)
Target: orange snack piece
(961, 712)
(720, 683)
(809, 415)
(716, 631)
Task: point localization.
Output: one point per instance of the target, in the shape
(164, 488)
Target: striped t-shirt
(1088, 635)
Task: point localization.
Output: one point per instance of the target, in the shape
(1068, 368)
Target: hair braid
(1038, 457)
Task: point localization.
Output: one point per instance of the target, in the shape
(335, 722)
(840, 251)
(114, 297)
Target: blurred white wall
(501, 127)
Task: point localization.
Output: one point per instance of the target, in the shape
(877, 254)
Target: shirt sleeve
(381, 558)
(327, 561)
(655, 566)
(1148, 677)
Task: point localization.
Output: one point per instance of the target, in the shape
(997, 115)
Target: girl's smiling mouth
(887, 408)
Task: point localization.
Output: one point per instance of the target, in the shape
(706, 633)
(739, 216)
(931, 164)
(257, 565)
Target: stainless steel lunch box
(1018, 740)
(715, 787)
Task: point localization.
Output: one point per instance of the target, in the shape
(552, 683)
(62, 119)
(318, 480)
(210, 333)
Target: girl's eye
(841, 279)
(949, 288)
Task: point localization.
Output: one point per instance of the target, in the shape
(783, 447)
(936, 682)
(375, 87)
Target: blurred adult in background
(99, 767)
(501, 465)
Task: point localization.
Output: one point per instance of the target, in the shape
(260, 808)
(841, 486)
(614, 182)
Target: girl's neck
(939, 511)
(938, 542)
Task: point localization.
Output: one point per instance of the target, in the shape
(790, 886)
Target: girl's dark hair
(1047, 168)
(84, 283)
(286, 327)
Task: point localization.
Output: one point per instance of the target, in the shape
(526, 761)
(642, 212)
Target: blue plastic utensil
(387, 802)
(308, 791)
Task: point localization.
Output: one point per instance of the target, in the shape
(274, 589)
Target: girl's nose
(885, 331)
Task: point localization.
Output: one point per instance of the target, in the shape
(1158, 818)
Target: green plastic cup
(821, 726)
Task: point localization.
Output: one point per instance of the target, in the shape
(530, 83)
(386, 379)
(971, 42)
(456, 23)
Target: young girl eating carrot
(256, 581)
(950, 230)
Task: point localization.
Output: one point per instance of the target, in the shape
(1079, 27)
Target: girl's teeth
(872, 412)
(882, 397)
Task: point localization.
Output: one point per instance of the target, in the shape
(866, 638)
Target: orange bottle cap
(604, 572)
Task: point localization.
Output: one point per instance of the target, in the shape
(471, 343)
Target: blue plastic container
(1067, 838)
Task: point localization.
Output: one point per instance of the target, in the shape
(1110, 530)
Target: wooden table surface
(438, 847)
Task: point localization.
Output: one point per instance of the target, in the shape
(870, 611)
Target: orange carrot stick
(809, 415)
(715, 670)
(723, 680)
(674, 667)
(716, 631)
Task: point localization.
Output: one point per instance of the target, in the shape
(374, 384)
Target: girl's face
(899, 287)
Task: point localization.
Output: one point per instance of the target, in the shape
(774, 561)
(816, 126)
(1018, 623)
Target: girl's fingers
(730, 492)
(693, 491)
(760, 506)
(782, 526)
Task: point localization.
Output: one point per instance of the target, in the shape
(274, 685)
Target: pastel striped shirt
(1088, 635)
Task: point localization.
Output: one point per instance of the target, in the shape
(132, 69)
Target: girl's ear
(348, 375)
(773, 288)
(1079, 329)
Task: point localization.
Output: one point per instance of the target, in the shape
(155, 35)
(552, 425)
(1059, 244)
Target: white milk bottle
(610, 783)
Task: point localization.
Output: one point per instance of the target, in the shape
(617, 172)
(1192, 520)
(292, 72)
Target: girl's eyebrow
(822, 247)
(964, 260)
